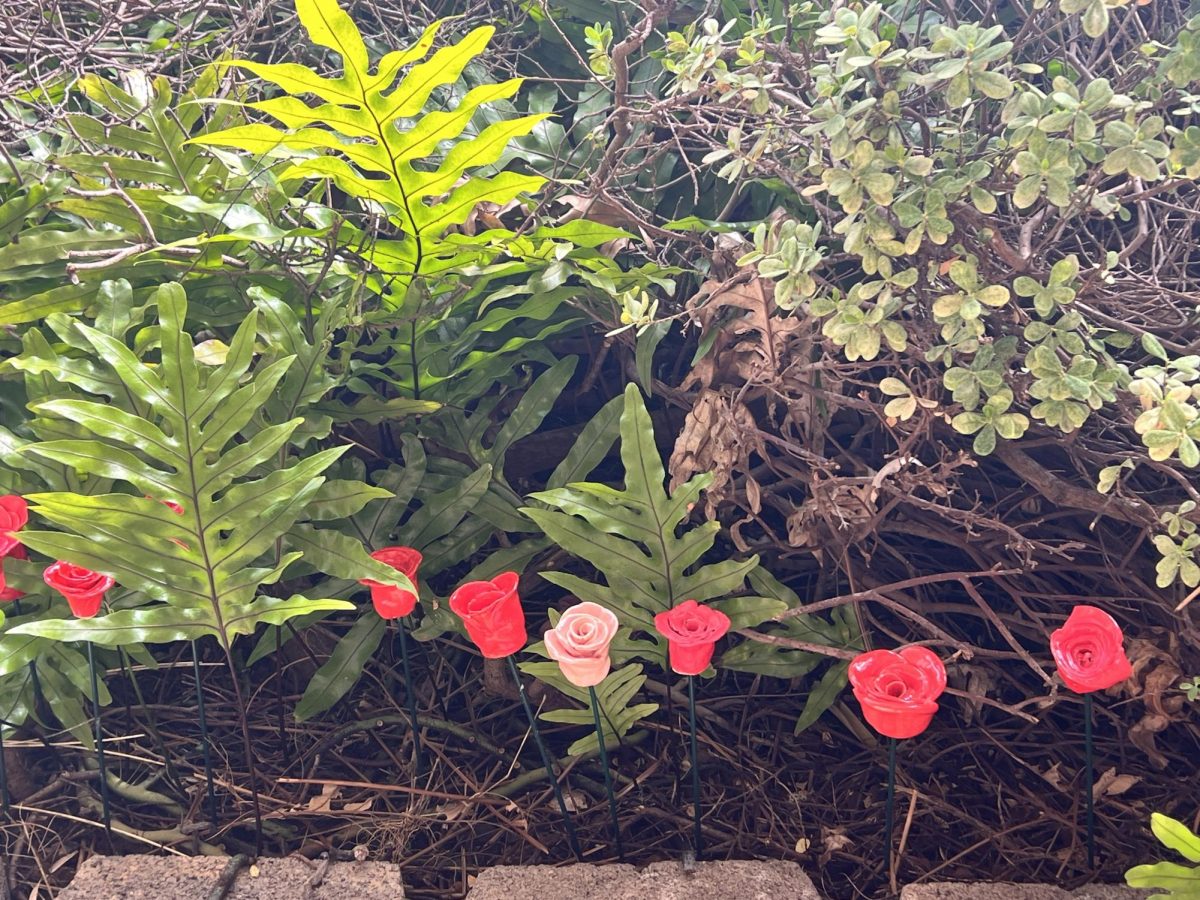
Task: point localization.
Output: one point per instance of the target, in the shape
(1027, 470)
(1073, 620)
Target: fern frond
(373, 143)
(633, 537)
(185, 435)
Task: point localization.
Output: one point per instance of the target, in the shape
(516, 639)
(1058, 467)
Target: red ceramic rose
(1089, 651)
(7, 593)
(83, 588)
(491, 612)
(898, 691)
(692, 631)
(14, 514)
(391, 601)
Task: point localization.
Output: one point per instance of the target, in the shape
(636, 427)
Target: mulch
(982, 795)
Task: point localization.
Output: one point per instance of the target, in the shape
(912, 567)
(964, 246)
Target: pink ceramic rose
(579, 643)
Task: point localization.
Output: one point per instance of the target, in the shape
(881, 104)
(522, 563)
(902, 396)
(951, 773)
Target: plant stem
(411, 697)
(412, 352)
(279, 689)
(151, 722)
(204, 743)
(608, 785)
(697, 838)
(537, 738)
(4, 798)
(1088, 779)
(889, 814)
(247, 744)
(107, 810)
(3, 776)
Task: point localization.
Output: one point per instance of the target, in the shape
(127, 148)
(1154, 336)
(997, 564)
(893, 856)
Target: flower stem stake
(104, 801)
(410, 697)
(697, 834)
(201, 714)
(1090, 655)
(898, 693)
(579, 643)
(889, 810)
(84, 591)
(608, 785)
(206, 748)
(4, 799)
(392, 603)
(692, 632)
(572, 839)
(1089, 778)
(492, 615)
(14, 515)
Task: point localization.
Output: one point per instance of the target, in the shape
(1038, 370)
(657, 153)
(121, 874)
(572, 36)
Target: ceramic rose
(898, 691)
(392, 601)
(8, 594)
(14, 515)
(692, 631)
(579, 643)
(83, 588)
(1089, 651)
(491, 612)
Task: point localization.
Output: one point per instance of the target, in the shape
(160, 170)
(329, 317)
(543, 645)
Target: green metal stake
(4, 798)
(411, 697)
(204, 742)
(3, 775)
(105, 806)
(608, 785)
(697, 838)
(537, 738)
(889, 816)
(1088, 780)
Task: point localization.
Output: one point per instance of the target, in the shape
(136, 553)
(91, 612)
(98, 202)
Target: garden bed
(810, 344)
(971, 806)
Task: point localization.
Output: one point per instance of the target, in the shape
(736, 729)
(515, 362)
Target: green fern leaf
(1180, 882)
(632, 536)
(189, 205)
(182, 433)
(375, 145)
(437, 520)
(614, 695)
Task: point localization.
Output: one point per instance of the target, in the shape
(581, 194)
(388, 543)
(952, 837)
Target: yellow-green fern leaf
(371, 139)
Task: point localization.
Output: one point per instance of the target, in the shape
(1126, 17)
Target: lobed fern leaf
(614, 694)
(372, 141)
(183, 434)
(633, 537)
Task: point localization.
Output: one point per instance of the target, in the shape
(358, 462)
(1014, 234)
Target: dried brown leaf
(1142, 736)
(717, 436)
(1113, 785)
(1054, 777)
